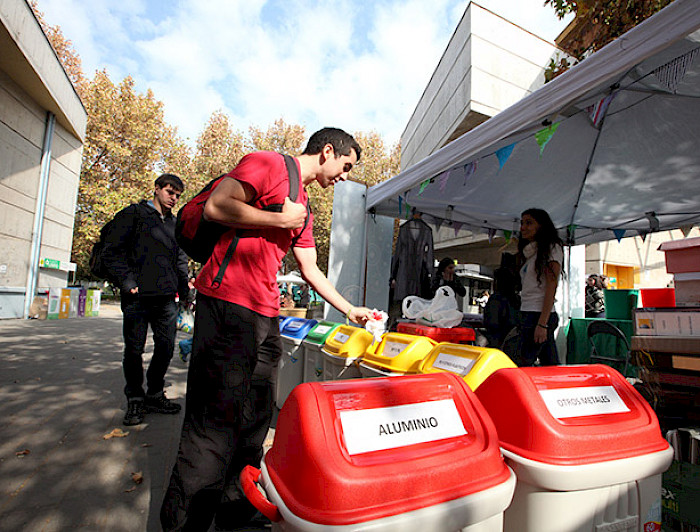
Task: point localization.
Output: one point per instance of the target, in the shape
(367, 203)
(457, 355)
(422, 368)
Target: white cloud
(359, 65)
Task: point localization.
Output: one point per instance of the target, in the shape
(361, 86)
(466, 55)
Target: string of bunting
(670, 74)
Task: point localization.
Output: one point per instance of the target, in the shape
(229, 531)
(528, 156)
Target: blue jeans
(529, 350)
(140, 312)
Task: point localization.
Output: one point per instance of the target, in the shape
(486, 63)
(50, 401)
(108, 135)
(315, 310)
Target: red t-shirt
(250, 279)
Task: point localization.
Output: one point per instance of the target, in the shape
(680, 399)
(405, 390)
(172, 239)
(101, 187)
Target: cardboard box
(39, 309)
(676, 345)
(682, 255)
(687, 290)
(671, 321)
(680, 494)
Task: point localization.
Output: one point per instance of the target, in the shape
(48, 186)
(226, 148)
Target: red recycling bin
(410, 453)
(586, 448)
(453, 335)
(658, 297)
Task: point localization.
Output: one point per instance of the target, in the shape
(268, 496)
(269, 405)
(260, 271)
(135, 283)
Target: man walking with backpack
(236, 334)
(142, 258)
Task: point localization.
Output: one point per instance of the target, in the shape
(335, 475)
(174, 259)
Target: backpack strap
(293, 173)
(293, 180)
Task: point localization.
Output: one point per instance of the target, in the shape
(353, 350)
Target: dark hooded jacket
(141, 251)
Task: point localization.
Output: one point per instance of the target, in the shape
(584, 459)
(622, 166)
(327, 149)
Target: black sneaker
(160, 404)
(134, 412)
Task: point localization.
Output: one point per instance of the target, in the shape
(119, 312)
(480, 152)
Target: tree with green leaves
(127, 145)
(597, 23)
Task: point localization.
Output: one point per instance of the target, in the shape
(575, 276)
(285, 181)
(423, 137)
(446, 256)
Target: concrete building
(42, 128)
(489, 65)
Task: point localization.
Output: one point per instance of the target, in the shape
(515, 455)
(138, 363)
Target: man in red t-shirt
(236, 343)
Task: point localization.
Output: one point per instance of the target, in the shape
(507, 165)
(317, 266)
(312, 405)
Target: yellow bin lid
(399, 352)
(348, 342)
(474, 364)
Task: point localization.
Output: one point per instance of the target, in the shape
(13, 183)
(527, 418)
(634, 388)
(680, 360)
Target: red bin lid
(351, 451)
(453, 335)
(570, 415)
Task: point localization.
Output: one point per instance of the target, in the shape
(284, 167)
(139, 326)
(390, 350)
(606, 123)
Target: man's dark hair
(170, 179)
(341, 141)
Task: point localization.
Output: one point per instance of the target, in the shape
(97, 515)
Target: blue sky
(360, 65)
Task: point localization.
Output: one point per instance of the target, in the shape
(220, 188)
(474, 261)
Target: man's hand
(359, 315)
(295, 214)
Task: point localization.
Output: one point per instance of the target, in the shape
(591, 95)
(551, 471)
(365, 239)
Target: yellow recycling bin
(474, 364)
(396, 354)
(342, 349)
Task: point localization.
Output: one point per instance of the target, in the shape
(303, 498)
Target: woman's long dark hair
(442, 266)
(546, 238)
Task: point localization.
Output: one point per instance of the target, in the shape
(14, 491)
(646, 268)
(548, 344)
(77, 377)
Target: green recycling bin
(313, 356)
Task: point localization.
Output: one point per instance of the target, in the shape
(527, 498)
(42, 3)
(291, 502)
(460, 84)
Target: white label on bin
(376, 429)
(340, 337)
(392, 349)
(588, 401)
(322, 329)
(459, 365)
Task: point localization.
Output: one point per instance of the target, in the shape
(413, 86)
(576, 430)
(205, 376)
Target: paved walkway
(60, 393)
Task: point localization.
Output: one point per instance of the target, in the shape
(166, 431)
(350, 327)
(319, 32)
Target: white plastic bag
(185, 319)
(377, 324)
(441, 311)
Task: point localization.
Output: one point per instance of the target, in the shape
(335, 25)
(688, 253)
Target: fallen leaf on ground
(146, 445)
(116, 433)
(130, 489)
(137, 477)
(20, 454)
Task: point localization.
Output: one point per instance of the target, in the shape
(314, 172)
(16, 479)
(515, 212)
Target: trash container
(342, 350)
(413, 454)
(474, 364)
(619, 303)
(282, 320)
(396, 354)
(585, 446)
(312, 344)
(453, 335)
(290, 371)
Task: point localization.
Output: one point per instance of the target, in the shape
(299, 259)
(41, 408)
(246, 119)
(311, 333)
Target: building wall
(488, 65)
(32, 84)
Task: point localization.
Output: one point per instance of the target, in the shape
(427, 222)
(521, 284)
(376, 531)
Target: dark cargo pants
(228, 410)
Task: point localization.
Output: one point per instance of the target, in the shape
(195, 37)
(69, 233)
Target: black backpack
(198, 237)
(96, 262)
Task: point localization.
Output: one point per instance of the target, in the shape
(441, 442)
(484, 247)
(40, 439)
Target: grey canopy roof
(621, 157)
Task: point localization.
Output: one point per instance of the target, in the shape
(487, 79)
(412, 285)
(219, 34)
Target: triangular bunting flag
(400, 201)
(503, 154)
(469, 169)
(507, 234)
(438, 224)
(492, 233)
(457, 226)
(408, 210)
(596, 112)
(643, 234)
(672, 73)
(423, 185)
(686, 229)
(619, 233)
(442, 180)
(543, 136)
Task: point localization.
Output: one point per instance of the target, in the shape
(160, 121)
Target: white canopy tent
(618, 151)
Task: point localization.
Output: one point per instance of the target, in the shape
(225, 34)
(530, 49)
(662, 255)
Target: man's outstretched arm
(306, 259)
